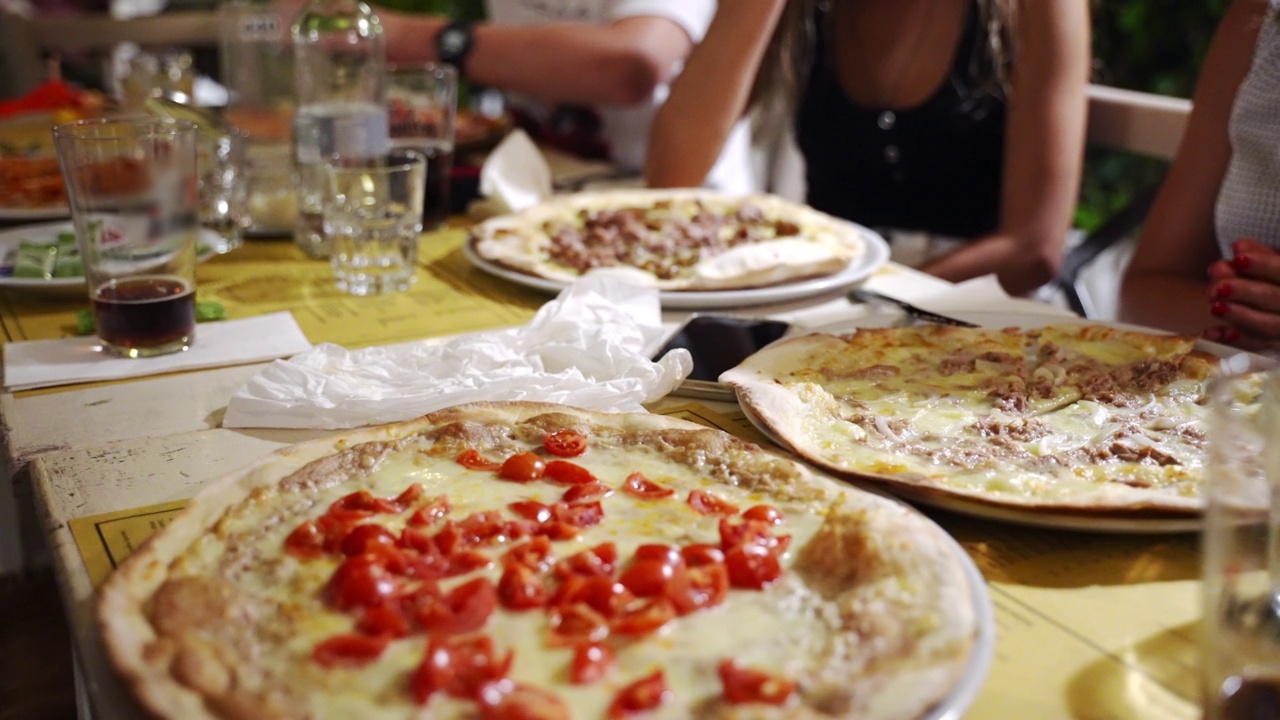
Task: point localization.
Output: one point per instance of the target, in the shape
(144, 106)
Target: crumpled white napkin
(978, 295)
(585, 348)
(516, 175)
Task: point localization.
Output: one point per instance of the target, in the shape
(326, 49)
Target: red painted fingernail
(1224, 290)
(1218, 308)
(1233, 335)
(1241, 262)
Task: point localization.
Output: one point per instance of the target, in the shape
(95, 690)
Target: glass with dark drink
(1240, 663)
(132, 186)
(422, 106)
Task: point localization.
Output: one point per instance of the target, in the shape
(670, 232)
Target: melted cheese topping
(783, 629)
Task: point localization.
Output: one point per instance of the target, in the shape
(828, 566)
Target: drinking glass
(422, 105)
(220, 160)
(373, 219)
(132, 186)
(1241, 544)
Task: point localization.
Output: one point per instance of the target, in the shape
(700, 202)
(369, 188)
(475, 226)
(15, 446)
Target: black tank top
(935, 167)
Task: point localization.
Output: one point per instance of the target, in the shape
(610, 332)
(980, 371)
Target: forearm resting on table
(710, 95)
(617, 64)
(1166, 300)
(1021, 266)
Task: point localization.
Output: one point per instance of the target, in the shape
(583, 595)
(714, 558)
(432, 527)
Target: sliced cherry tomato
(737, 531)
(643, 617)
(640, 486)
(473, 460)
(565, 443)
(385, 620)
(531, 510)
(558, 530)
(522, 468)
(434, 510)
(577, 623)
(360, 581)
(646, 578)
(461, 667)
(704, 503)
(747, 685)
(334, 528)
(349, 650)
(520, 588)
(763, 513)
(362, 539)
(410, 495)
(591, 492)
(692, 589)
(601, 593)
(599, 560)
(362, 501)
(752, 566)
(645, 694)
(463, 609)
(505, 700)
(591, 661)
(701, 554)
(568, 473)
(465, 561)
(666, 554)
(581, 515)
(305, 542)
(482, 528)
(535, 554)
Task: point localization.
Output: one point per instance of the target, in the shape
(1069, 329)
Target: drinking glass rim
(155, 126)
(412, 158)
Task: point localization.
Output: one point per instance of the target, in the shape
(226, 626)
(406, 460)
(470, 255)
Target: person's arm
(1043, 152)
(710, 95)
(616, 64)
(1164, 285)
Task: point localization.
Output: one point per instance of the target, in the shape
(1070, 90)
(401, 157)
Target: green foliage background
(1149, 45)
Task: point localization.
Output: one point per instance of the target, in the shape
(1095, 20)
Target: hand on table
(1245, 293)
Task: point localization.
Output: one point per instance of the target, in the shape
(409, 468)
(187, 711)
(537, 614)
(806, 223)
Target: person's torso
(1248, 204)
(934, 167)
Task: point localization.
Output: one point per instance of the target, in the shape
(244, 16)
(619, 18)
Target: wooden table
(1088, 625)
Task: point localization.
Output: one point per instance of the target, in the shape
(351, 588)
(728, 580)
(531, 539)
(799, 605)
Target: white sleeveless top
(1249, 199)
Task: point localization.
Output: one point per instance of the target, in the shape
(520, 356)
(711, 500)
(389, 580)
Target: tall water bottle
(340, 82)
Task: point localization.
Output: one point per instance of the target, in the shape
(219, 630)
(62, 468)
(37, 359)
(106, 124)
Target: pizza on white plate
(672, 239)
(523, 560)
(1079, 417)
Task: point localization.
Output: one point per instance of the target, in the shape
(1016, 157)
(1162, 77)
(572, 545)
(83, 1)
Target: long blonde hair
(790, 53)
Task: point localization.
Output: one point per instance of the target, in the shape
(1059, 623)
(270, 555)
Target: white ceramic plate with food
(47, 234)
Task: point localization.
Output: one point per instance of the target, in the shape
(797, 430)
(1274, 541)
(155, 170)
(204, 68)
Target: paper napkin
(45, 363)
(515, 175)
(588, 347)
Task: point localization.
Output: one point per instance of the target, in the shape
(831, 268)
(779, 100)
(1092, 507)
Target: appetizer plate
(876, 255)
(47, 234)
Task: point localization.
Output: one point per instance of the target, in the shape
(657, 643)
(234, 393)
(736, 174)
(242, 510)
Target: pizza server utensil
(870, 296)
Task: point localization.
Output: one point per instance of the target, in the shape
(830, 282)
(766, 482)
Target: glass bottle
(341, 88)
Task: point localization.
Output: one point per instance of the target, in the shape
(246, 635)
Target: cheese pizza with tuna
(672, 239)
(522, 560)
(1071, 416)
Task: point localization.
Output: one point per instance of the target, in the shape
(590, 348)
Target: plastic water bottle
(341, 85)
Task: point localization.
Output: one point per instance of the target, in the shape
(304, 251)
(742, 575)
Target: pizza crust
(823, 246)
(931, 599)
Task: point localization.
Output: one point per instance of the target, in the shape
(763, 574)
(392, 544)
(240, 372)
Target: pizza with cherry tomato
(521, 560)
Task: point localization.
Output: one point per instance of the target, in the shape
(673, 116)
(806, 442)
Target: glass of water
(1241, 544)
(373, 220)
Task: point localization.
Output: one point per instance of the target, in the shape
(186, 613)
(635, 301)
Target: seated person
(947, 118)
(586, 77)
(1206, 260)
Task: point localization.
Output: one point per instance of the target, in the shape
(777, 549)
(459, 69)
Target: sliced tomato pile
(593, 600)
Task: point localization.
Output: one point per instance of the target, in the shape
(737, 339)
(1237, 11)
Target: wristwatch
(454, 43)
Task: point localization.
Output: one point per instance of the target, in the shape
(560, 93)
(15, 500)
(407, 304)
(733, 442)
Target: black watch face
(453, 42)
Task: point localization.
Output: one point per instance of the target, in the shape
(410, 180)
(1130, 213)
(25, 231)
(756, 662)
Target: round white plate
(966, 690)
(47, 233)
(1056, 519)
(876, 255)
(50, 213)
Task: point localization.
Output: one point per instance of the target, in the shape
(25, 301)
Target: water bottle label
(260, 28)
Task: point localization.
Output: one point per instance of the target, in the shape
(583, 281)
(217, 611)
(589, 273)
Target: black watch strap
(454, 43)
